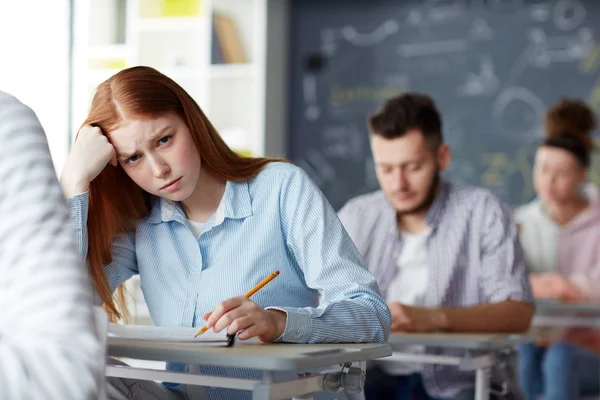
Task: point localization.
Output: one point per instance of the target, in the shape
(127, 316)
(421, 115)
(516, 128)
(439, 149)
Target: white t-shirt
(539, 237)
(410, 283)
(196, 227)
(409, 287)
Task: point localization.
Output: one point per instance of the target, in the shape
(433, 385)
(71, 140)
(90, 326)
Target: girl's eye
(132, 159)
(165, 140)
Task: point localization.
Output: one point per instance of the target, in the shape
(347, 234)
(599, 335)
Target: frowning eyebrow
(154, 136)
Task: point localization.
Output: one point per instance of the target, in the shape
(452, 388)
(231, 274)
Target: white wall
(34, 45)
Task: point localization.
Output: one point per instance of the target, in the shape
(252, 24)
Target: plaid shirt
(473, 252)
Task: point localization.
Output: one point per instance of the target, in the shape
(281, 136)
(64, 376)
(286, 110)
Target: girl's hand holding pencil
(241, 314)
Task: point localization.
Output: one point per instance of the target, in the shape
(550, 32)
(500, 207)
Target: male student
(48, 349)
(446, 256)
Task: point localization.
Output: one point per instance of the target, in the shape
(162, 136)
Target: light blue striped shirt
(276, 220)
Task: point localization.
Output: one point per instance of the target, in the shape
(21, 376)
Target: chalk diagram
(462, 171)
(540, 12)
(454, 133)
(438, 12)
(435, 12)
(517, 113)
(397, 81)
(559, 35)
(377, 36)
(330, 36)
(432, 48)
(543, 50)
(328, 42)
(329, 46)
(309, 90)
(503, 4)
(480, 30)
(343, 142)
(324, 175)
(568, 14)
(483, 83)
(317, 167)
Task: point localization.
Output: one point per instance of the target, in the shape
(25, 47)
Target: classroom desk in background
(269, 358)
(552, 313)
(468, 361)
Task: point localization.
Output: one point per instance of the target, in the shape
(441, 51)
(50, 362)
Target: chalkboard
(492, 66)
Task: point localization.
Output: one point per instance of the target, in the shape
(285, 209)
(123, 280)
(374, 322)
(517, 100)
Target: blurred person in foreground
(47, 339)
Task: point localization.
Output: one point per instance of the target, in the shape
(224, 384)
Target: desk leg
(482, 384)
(304, 383)
(363, 366)
(261, 392)
(306, 396)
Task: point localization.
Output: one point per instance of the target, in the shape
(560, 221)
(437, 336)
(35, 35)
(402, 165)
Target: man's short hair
(406, 112)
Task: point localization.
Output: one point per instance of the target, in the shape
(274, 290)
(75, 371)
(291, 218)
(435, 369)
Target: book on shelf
(228, 40)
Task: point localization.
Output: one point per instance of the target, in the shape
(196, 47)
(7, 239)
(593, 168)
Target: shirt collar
(236, 204)
(436, 211)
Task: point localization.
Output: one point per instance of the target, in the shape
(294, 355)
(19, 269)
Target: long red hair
(116, 203)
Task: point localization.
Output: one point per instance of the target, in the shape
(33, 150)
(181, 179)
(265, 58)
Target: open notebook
(170, 334)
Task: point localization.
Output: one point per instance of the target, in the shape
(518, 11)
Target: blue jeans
(379, 386)
(560, 372)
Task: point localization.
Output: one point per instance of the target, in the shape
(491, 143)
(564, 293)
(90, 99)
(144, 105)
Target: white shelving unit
(247, 109)
(114, 34)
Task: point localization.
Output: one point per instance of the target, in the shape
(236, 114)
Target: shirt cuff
(297, 326)
(78, 207)
(522, 296)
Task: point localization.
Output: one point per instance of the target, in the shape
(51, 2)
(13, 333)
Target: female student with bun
(155, 191)
(560, 235)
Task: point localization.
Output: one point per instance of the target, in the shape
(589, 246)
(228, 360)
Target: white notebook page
(167, 334)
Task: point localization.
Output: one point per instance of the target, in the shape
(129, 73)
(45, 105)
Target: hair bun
(571, 117)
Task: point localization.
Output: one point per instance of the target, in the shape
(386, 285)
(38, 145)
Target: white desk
(552, 313)
(481, 364)
(268, 358)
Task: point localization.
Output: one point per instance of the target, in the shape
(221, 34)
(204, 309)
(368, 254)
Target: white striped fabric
(48, 349)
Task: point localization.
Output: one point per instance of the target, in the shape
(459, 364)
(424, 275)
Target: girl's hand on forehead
(90, 154)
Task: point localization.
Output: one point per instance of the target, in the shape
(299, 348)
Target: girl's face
(159, 155)
(557, 175)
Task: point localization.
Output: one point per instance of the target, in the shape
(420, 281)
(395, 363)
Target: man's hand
(415, 319)
(241, 314)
